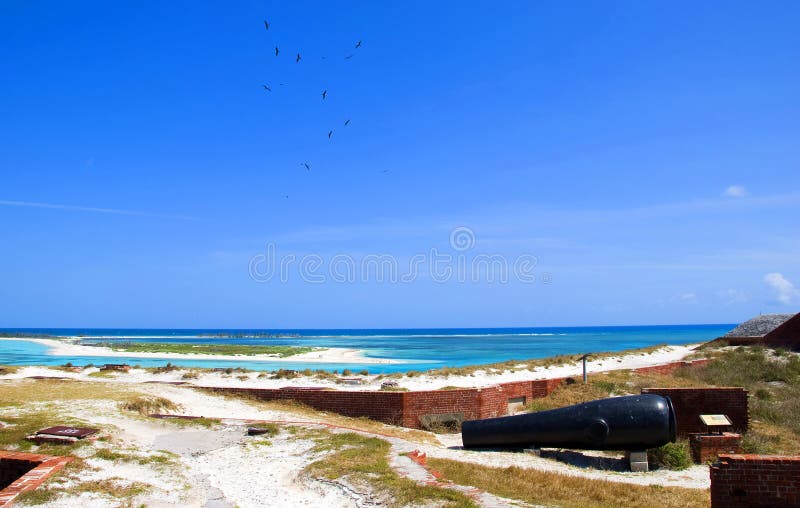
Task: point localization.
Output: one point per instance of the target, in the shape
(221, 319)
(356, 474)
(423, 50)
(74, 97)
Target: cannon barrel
(635, 422)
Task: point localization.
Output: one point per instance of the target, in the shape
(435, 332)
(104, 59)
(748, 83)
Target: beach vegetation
(103, 374)
(284, 374)
(206, 349)
(554, 489)
(149, 404)
(527, 364)
(8, 369)
(389, 388)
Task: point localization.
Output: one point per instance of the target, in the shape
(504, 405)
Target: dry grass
(148, 404)
(26, 391)
(555, 489)
(363, 460)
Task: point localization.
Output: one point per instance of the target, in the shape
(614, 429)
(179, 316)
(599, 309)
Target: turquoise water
(420, 349)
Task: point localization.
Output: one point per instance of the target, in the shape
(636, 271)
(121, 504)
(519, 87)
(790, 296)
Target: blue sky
(645, 153)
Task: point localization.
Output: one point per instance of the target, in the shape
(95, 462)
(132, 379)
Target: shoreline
(483, 376)
(323, 355)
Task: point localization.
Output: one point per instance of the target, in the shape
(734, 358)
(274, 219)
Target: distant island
(258, 335)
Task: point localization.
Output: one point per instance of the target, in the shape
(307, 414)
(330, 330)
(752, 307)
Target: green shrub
(676, 455)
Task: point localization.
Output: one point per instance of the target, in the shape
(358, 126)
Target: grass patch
(272, 429)
(149, 404)
(364, 460)
(38, 496)
(103, 374)
(206, 349)
(675, 455)
(112, 487)
(553, 489)
(161, 459)
(26, 391)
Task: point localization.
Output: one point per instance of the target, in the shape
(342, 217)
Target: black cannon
(636, 422)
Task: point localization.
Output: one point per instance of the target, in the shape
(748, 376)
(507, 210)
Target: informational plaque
(715, 420)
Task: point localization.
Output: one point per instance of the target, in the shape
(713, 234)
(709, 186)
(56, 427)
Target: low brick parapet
(755, 481)
(21, 472)
(707, 447)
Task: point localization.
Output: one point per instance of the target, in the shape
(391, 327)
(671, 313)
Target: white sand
(320, 355)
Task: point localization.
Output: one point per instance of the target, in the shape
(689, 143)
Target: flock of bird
(324, 94)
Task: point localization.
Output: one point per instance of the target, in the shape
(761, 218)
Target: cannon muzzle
(635, 422)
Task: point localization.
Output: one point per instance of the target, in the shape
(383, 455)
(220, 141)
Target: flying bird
(330, 133)
(306, 165)
(276, 51)
(324, 94)
(348, 57)
(267, 88)
(297, 60)
(266, 24)
(346, 122)
(358, 44)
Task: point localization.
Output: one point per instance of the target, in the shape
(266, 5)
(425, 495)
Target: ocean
(420, 349)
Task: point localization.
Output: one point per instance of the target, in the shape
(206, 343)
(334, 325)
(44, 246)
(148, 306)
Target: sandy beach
(423, 381)
(321, 355)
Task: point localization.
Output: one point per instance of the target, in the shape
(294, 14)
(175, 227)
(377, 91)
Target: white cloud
(735, 191)
(92, 209)
(782, 288)
(732, 296)
(688, 298)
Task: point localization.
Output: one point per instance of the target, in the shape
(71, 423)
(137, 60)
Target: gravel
(759, 326)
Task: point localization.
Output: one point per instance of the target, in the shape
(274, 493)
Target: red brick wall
(382, 406)
(21, 472)
(416, 404)
(669, 368)
(405, 408)
(755, 481)
(690, 403)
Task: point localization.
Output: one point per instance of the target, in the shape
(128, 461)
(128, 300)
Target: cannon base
(637, 461)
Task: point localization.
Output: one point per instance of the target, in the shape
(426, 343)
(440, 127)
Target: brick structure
(707, 447)
(406, 408)
(669, 368)
(754, 481)
(786, 335)
(21, 472)
(690, 403)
